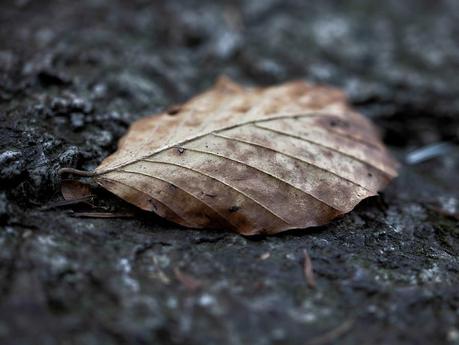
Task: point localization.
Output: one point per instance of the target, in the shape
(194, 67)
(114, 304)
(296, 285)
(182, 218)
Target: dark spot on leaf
(180, 150)
(328, 154)
(210, 195)
(153, 204)
(242, 108)
(174, 110)
(338, 123)
(234, 209)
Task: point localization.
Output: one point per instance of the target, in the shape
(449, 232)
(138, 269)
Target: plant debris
(102, 215)
(187, 280)
(332, 335)
(75, 190)
(308, 270)
(265, 256)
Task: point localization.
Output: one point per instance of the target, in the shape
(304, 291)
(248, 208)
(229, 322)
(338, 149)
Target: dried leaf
(255, 160)
(75, 190)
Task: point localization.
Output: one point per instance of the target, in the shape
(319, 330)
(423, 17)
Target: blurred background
(75, 74)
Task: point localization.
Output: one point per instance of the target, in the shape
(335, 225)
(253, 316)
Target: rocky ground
(75, 74)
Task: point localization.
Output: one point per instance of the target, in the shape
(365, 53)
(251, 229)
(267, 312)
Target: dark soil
(75, 74)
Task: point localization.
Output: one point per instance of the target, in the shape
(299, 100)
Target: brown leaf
(255, 160)
(75, 190)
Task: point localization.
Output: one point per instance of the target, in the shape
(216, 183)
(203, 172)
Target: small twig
(186, 280)
(333, 334)
(443, 212)
(308, 270)
(76, 172)
(102, 215)
(62, 203)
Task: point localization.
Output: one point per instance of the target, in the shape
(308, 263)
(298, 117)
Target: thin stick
(101, 215)
(308, 270)
(187, 281)
(68, 202)
(332, 335)
(76, 172)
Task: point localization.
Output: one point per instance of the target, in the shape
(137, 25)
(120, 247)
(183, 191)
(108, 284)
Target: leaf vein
(291, 156)
(323, 129)
(222, 182)
(141, 191)
(183, 190)
(266, 173)
(321, 145)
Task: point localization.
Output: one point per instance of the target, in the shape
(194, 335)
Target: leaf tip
(226, 84)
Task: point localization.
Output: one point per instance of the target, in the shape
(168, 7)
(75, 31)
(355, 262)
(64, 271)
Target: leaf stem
(76, 172)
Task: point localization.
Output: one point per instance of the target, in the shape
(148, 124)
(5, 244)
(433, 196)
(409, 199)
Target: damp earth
(74, 75)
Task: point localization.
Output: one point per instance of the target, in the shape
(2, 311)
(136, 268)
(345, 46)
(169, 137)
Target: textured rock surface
(73, 75)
